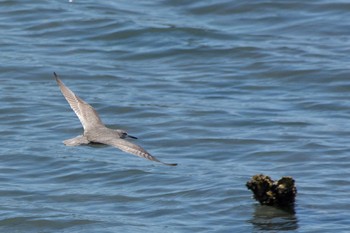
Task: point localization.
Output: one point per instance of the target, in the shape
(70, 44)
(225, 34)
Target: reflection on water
(271, 218)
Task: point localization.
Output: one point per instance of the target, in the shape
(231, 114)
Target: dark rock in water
(277, 193)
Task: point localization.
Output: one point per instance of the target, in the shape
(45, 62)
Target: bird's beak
(129, 136)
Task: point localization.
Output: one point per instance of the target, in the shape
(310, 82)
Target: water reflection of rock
(273, 219)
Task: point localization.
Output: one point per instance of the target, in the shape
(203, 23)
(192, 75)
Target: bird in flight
(96, 132)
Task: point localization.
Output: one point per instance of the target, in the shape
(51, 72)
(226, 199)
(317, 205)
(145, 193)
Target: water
(227, 89)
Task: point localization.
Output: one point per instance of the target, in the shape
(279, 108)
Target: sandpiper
(95, 131)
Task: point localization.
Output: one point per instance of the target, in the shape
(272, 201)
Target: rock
(279, 193)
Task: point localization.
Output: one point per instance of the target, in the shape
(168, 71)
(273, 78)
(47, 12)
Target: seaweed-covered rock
(268, 192)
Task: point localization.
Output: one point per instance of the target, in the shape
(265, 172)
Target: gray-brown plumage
(96, 132)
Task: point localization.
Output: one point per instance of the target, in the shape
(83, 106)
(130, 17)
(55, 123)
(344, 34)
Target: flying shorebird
(96, 132)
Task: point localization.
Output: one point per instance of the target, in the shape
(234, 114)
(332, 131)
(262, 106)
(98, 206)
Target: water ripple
(227, 89)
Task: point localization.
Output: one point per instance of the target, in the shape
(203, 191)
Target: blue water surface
(226, 89)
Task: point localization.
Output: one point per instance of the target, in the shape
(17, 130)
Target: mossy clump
(274, 193)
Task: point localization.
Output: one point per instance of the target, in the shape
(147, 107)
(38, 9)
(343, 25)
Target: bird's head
(123, 134)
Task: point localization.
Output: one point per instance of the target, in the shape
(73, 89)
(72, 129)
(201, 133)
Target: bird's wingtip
(170, 164)
(56, 76)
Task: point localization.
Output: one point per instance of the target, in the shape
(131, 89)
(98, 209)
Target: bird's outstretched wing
(87, 115)
(131, 148)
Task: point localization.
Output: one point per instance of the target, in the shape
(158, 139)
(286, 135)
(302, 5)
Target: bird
(96, 132)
